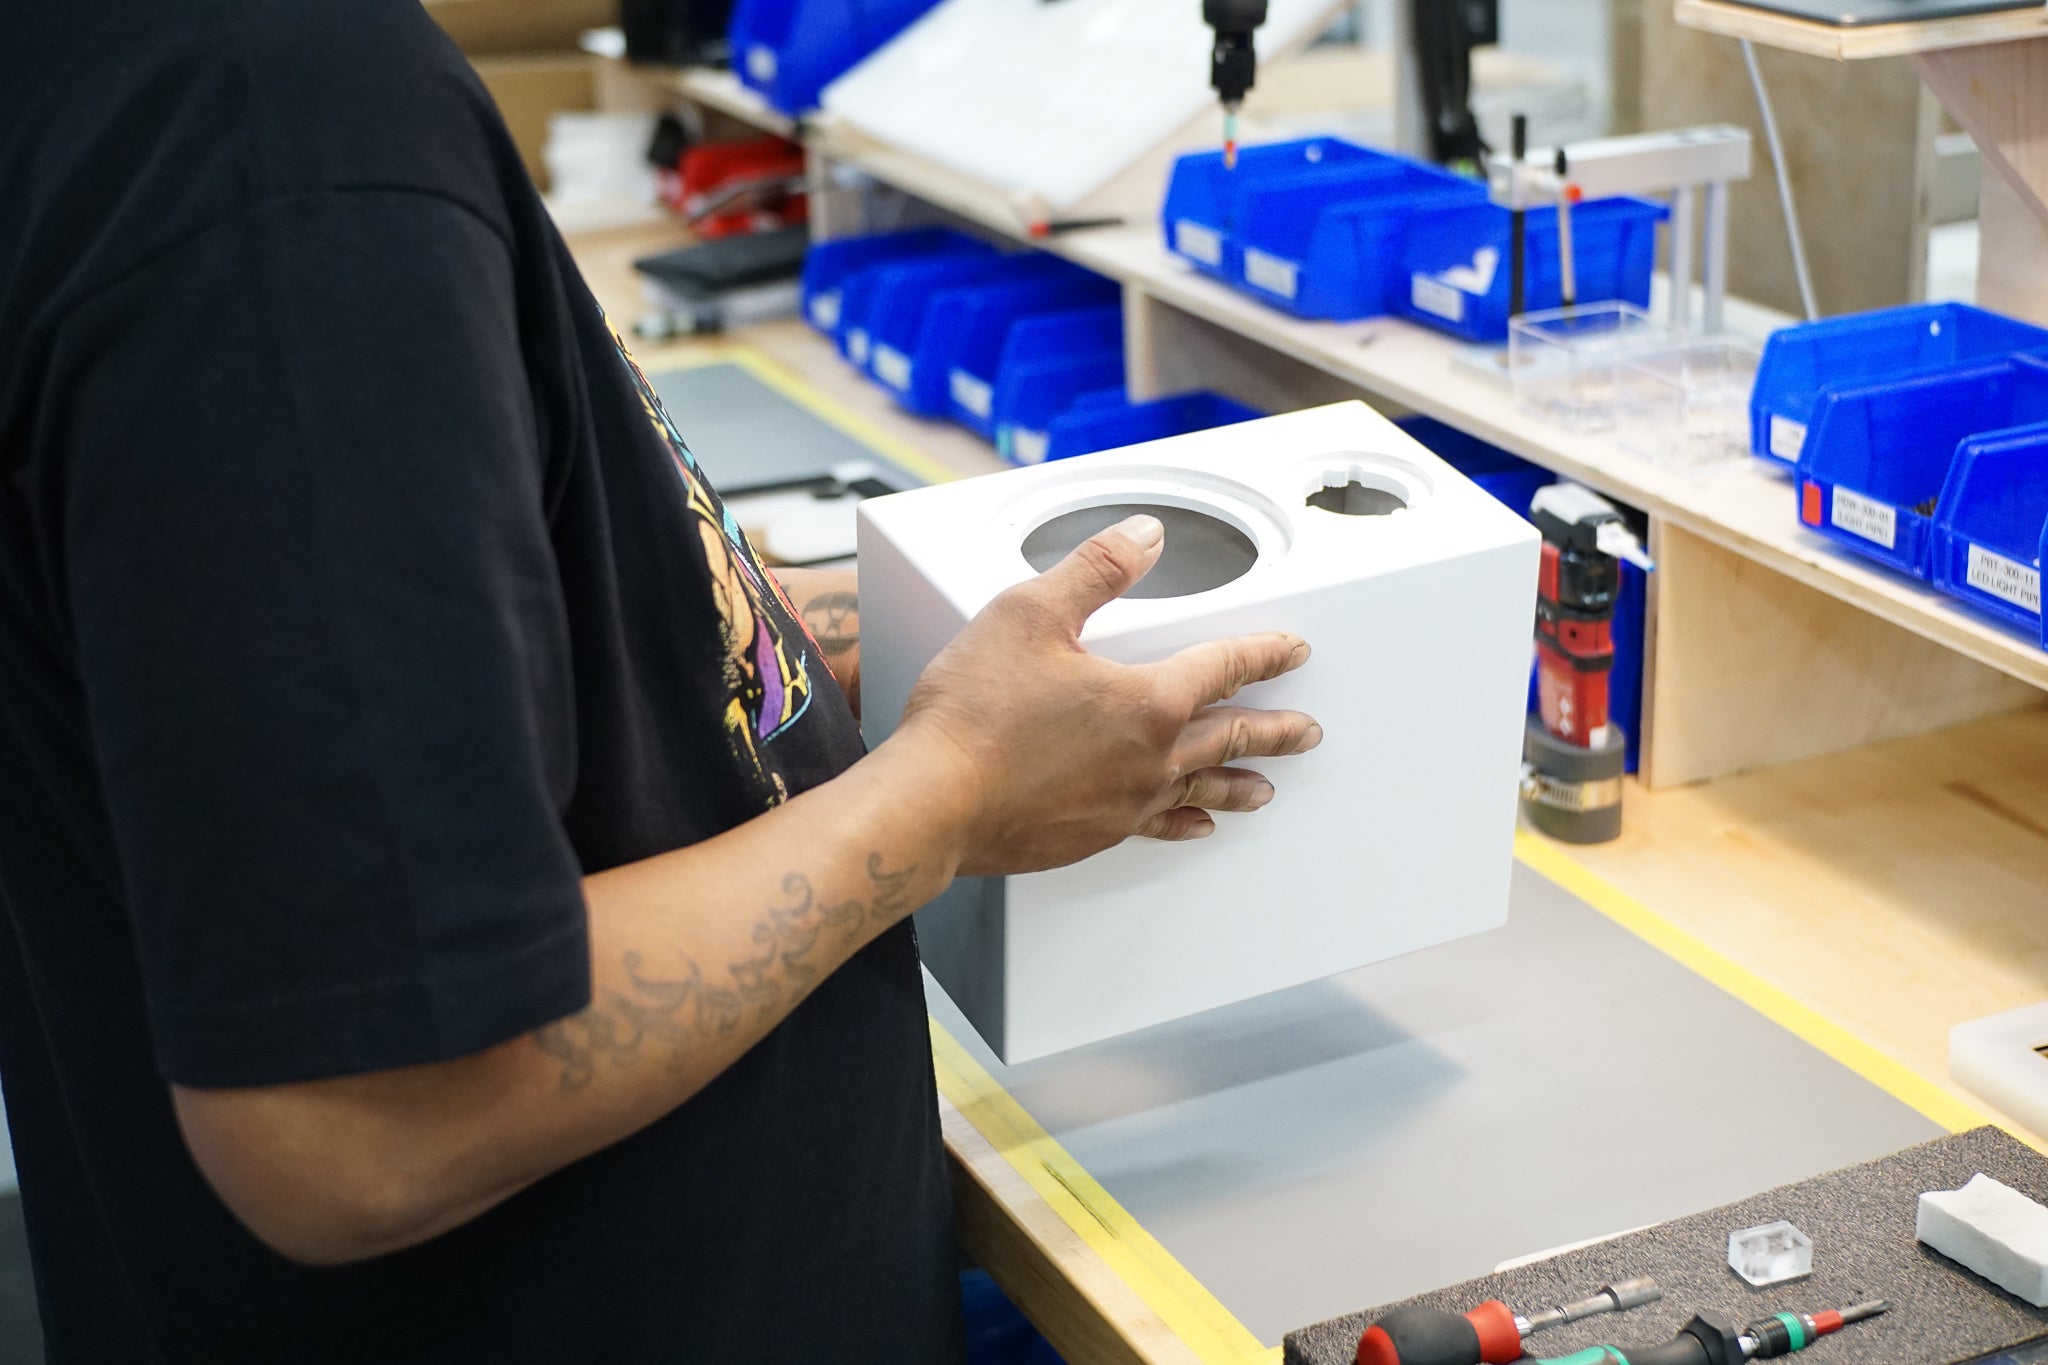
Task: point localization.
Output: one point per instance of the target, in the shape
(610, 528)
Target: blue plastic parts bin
(1876, 457)
(996, 1333)
(1455, 266)
(870, 296)
(954, 366)
(1991, 528)
(898, 301)
(790, 50)
(1862, 348)
(1047, 363)
(1107, 421)
(1314, 227)
(828, 266)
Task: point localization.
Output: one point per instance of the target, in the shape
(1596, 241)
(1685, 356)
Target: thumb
(1101, 569)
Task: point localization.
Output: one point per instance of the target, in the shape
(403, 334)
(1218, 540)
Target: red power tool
(1584, 538)
(1572, 757)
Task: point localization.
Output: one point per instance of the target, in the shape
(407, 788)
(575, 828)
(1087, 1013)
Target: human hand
(1057, 754)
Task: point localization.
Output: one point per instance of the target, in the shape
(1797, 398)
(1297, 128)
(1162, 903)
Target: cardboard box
(494, 27)
(532, 87)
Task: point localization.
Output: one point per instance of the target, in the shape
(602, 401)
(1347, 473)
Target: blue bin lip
(1221, 206)
(1913, 534)
(829, 267)
(926, 279)
(1769, 406)
(958, 315)
(1955, 534)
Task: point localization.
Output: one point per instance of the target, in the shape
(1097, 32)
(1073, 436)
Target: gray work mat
(1861, 1223)
(1416, 1122)
(746, 435)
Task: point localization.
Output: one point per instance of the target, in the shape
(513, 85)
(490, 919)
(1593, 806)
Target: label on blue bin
(825, 310)
(1436, 298)
(2006, 578)
(975, 395)
(1028, 446)
(761, 63)
(1866, 517)
(1197, 243)
(1788, 437)
(857, 345)
(1270, 273)
(892, 367)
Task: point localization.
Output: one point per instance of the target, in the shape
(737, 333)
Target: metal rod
(1681, 258)
(1517, 220)
(1714, 256)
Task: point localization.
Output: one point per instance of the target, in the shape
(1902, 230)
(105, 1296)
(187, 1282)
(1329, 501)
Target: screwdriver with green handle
(1710, 1339)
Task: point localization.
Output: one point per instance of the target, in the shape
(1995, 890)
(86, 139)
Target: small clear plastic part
(1770, 1254)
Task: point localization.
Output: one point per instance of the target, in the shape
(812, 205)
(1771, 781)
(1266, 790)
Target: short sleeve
(322, 641)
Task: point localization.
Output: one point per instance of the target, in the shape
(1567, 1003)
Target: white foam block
(1992, 1229)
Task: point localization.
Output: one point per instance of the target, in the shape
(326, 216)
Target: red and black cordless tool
(1573, 756)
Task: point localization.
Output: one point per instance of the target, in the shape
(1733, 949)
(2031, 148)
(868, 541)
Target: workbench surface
(1828, 894)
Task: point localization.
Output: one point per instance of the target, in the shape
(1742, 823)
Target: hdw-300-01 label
(1865, 517)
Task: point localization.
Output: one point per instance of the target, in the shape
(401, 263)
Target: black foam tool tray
(1861, 1221)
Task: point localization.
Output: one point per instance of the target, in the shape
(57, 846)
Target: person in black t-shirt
(446, 913)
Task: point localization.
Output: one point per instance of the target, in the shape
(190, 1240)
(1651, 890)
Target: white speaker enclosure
(1395, 834)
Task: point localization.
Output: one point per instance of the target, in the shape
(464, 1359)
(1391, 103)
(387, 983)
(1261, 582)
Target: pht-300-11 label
(2007, 578)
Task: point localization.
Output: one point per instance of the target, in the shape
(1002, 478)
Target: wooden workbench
(1869, 899)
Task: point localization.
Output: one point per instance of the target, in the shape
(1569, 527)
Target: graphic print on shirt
(767, 674)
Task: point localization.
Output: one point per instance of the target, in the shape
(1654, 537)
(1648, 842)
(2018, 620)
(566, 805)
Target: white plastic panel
(1051, 99)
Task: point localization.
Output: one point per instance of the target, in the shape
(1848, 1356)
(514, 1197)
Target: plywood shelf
(1860, 41)
(722, 90)
(1744, 508)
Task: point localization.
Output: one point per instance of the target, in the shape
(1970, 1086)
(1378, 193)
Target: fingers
(1221, 735)
(1231, 789)
(1192, 798)
(1101, 569)
(1219, 669)
(1178, 825)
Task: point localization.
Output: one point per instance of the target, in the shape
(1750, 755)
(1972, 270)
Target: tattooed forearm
(668, 1016)
(833, 618)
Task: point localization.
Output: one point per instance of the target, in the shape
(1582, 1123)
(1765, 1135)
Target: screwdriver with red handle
(1490, 1334)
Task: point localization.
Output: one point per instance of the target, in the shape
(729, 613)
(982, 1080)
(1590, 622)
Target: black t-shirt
(356, 598)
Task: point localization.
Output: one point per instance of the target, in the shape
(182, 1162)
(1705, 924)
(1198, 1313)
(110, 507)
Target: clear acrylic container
(1770, 1253)
(1565, 362)
(1687, 406)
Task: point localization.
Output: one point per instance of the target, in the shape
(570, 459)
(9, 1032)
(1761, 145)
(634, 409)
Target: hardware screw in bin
(1572, 756)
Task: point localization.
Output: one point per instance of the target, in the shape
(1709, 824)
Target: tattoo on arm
(833, 618)
(670, 1015)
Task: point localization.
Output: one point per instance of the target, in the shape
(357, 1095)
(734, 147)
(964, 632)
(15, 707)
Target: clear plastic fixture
(1687, 406)
(1771, 1253)
(1565, 362)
